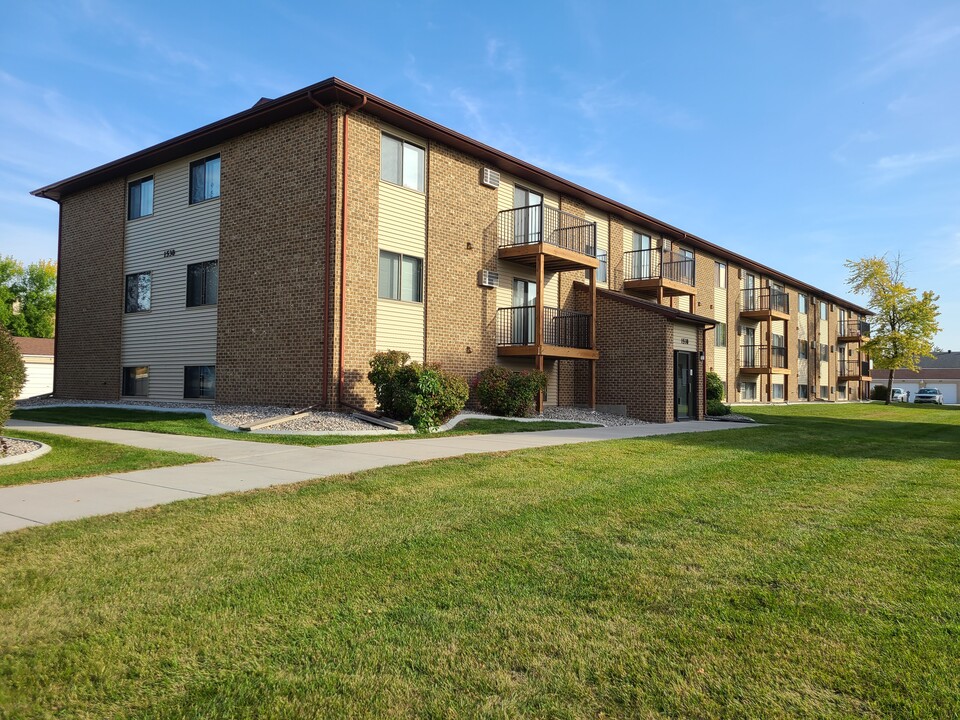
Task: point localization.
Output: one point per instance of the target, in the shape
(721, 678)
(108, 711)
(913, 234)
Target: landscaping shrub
(716, 408)
(715, 405)
(12, 374)
(423, 395)
(879, 392)
(504, 392)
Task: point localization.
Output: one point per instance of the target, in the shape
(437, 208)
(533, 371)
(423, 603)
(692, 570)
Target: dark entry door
(684, 385)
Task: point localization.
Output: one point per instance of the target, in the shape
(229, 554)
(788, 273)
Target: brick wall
(362, 257)
(461, 315)
(635, 369)
(90, 310)
(270, 343)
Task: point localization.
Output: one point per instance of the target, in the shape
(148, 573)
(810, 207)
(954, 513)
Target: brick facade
(274, 256)
(461, 315)
(270, 343)
(90, 303)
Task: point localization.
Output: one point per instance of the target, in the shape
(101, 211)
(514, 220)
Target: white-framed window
(401, 162)
(823, 391)
(803, 392)
(802, 303)
(802, 349)
(136, 381)
(777, 391)
(842, 392)
(720, 335)
(720, 274)
(748, 390)
(200, 381)
(137, 292)
(140, 198)
(823, 311)
(601, 270)
(205, 179)
(401, 277)
(203, 281)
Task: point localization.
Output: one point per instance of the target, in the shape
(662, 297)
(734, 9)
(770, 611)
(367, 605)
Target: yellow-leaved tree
(904, 324)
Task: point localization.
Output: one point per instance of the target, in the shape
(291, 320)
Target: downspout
(330, 240)
(56, 301)
(343, 251)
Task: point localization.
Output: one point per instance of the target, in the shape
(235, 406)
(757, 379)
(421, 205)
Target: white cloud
(924, 43)
(892, 167)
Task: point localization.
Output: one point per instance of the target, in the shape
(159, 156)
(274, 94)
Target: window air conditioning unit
(489, 278)
(490, 178)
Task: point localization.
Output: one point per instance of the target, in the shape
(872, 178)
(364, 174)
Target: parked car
(898, 395)
(929, 395)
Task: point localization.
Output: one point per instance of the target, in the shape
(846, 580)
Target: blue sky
(799, 134)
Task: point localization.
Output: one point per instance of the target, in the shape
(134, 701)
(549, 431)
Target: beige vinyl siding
(684, 337)
(170, 335)
(510, 271)
(683, 303)
(603, 239)
(400, 327)
(402, 221)
(402, 228)
(507, 185)
(720, 313)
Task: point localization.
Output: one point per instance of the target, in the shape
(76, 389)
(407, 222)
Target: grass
(808, 568)
(190, 423)
(73, 458)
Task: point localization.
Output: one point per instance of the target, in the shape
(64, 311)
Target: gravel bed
(236, 415)
(14, 446)
(585, 416)
(732, 417)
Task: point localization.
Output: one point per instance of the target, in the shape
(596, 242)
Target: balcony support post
(538, 327)
(770, 359)
(593, 338)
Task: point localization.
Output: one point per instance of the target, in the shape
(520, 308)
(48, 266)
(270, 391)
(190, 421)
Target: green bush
(12, 374)
(504, 392)
(879, 392)
(716, 408)
(714, 387)
(422, 395)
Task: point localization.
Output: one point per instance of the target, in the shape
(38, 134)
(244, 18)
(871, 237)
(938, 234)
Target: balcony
(566, 334)
(853, 370)
(763, 359)
(659, 272)
(764, 304)
(565, 241)
(853, 331)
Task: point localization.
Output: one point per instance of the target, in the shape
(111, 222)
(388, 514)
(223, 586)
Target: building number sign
(169, 253)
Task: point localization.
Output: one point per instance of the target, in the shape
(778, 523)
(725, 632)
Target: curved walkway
(243, 465)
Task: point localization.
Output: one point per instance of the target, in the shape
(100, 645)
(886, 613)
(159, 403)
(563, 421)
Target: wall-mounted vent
(490, 178)
(489, 278)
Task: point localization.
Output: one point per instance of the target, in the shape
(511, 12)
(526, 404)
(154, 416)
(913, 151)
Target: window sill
(142, 217)
(202, 202)
(399, 302)
(422, 193)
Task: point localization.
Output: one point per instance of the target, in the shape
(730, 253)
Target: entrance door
(684, 385)
(524, 304)
(750, 292)
(749, 348)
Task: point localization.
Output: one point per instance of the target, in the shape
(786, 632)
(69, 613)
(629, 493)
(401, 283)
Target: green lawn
(190, 423)
(72, 458)
(808, 568)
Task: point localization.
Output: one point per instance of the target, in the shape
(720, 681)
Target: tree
(28, 299)
(904, 325)
(12, 376)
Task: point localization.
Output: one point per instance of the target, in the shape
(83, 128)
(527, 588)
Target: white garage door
(949, 391)
(39, 380)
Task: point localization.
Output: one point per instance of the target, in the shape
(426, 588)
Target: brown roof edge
(335, 90)
(34, 346)
(665, 310)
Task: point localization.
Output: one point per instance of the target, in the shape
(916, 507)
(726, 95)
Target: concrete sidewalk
(244, 465)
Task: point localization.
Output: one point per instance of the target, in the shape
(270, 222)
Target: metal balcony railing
(659, 264)
(853, 368)
(540, 223)
(756, 356)
(764, 298)
(854, 328)
(562, 328)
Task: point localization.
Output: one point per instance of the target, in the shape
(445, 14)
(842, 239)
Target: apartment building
(265, 257)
